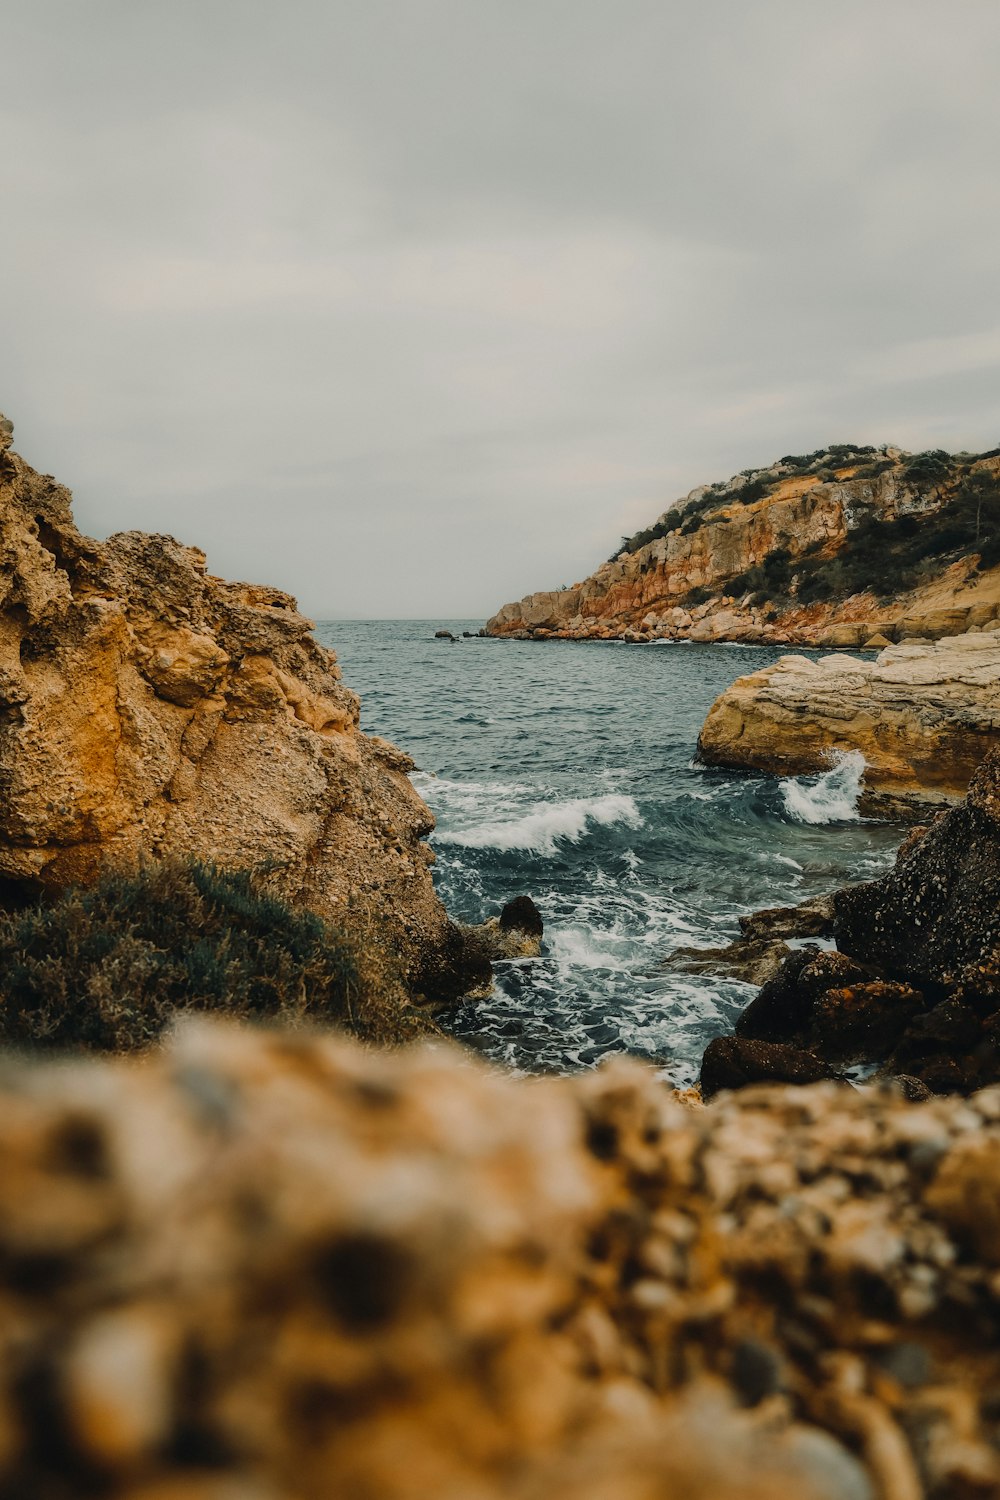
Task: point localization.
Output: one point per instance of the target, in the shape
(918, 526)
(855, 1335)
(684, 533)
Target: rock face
(751, 559)
(923, 716)
(262, 1267)
(915, 985)
(148, 708)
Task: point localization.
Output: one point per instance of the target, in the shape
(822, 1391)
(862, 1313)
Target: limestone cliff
(922, 714)
(831, 548)
(149, 709)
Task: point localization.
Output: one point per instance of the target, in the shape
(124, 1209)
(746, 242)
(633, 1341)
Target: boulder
(736, 1062)
(522, 915)
(923, 717)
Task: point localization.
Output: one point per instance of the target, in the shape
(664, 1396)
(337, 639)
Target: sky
(412, 307)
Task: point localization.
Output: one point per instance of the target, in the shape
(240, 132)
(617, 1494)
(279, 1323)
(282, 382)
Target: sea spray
(519, 748)
(829, 798)
(542, 830)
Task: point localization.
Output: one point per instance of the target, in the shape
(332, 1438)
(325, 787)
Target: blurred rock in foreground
(271, 1267)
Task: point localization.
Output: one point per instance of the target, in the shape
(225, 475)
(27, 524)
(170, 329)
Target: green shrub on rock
(107, 968)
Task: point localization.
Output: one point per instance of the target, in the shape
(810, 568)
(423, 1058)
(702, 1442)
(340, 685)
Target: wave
(830, 798)
(543, 830)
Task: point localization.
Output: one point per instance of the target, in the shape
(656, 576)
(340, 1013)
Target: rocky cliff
(923, 715)
(276, 1269)
(832, 548)
(149, 709)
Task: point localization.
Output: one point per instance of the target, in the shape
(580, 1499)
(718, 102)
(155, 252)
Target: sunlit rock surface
(923, 715)
(148, 708)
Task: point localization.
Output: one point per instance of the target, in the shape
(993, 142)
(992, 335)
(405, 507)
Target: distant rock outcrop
(150, 709)
(829, 549)
(923, 716)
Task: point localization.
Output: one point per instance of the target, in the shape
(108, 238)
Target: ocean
(565, 771)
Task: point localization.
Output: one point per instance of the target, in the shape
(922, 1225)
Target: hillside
(830, 548)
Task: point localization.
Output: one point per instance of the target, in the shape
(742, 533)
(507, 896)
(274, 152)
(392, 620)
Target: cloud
(414, 308)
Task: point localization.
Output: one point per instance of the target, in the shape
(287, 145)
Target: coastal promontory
(831, 548)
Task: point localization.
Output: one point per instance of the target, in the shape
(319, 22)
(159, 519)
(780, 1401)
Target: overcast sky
(414, 306)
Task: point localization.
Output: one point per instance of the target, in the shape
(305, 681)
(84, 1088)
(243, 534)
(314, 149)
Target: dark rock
(935, 919)
(907, 1363)
(756, 1370)
(862, 1022)
(783, 1009)
(950, 1027)
(522, 915)
(443, 635)
(735, 1062)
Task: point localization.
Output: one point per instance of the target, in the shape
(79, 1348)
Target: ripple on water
(567, 772)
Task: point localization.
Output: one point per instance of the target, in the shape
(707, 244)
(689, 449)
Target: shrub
(108, 967)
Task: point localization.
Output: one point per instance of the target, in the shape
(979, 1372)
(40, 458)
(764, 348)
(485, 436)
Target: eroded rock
(150, 709)
(923, 716)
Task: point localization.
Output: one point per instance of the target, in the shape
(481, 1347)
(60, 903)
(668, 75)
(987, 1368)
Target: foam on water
(542, 830)
(565, 772)
(830, 798)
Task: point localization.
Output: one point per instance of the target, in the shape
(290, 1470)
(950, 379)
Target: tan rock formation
(291, 1269)
(923, 716)
(148, 708)
(716, 535)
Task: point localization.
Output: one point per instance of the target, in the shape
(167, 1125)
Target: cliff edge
(830, 548)
(149, 709)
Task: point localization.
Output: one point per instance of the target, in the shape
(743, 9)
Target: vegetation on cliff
(109, 967)
(845, 533)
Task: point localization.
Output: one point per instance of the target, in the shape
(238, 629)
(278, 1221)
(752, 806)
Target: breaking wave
(830, 798)
(543, 830)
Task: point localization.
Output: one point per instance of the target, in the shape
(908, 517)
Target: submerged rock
(150, 709)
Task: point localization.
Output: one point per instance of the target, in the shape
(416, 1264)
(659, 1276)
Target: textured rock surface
(646, 594)
(256, 1267)
(923, 716)
(935, 919)
(915, 985)
(148, 708)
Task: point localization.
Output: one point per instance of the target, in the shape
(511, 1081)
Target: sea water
(566, 771)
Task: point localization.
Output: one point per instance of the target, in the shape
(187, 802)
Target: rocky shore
(151, 710)
(834, 548)
(913, 987)
(271, 1268)
(922, 715)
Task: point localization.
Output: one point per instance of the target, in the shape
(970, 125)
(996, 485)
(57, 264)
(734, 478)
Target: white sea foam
(543, 830)
(830, 798)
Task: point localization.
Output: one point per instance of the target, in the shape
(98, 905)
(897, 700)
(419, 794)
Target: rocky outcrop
(923, 716)
(914, 986)
(150, 709)
(282, 1268)
(786, 553)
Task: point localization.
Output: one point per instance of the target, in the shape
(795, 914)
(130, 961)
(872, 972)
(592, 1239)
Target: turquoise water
(565, 770)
